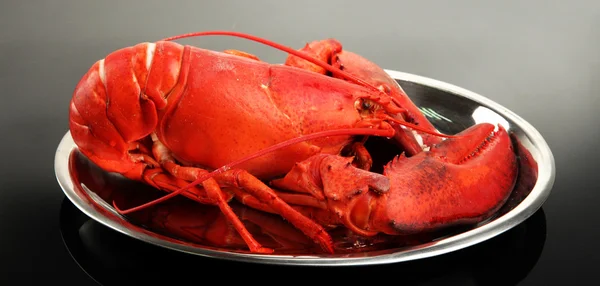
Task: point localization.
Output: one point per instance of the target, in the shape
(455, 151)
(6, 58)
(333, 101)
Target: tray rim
(536, 198)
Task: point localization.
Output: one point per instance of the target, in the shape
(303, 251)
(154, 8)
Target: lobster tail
(115, 103)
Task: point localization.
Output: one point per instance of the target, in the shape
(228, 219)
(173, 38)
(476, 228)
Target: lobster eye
(366, 105)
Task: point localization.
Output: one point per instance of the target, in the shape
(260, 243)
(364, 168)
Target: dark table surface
(537, 58)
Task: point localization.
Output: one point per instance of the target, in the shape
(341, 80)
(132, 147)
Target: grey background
(537, 58)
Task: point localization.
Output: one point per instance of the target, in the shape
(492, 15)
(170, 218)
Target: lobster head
(389, 105)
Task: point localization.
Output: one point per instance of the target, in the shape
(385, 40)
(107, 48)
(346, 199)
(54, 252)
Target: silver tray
(450, 108)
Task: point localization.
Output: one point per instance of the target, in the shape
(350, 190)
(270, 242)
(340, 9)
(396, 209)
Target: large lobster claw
(462, 180)
(459, 181)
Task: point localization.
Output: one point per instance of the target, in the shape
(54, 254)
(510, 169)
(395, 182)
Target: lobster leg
(254, 193)
(245, 181)
(362, 158)
(280, 231)
(168, 182)
(213, 191)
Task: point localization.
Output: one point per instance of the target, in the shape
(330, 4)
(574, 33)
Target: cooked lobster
(287, 139)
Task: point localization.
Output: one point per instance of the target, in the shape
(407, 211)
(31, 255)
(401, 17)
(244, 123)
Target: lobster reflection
(205, 225)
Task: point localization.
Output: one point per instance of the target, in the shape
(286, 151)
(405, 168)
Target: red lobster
(217, 125)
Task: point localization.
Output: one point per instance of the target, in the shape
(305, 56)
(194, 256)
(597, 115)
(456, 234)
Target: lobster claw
(461, 180)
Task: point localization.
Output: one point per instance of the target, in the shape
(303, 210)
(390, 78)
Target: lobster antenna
(316, 135)
(280, 47)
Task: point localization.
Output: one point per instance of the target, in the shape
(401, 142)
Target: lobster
(286, 139)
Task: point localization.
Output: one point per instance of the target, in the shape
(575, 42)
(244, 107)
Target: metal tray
(450, 108)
